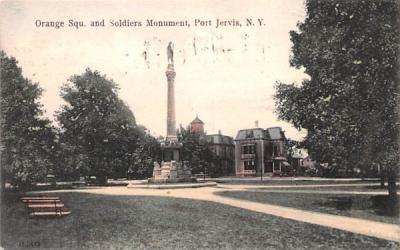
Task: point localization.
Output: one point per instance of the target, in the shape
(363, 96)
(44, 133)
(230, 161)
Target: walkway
(359, 226)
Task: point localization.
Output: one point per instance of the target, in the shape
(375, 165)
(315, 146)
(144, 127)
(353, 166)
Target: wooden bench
(44, 206)
(46, 209)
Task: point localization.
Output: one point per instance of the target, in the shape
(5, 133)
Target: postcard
(199, 124)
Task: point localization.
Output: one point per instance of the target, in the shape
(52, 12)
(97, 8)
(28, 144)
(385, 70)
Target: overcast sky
(225, 75)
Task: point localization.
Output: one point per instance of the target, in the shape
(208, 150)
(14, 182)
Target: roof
(197, 120)
(220, 139)
(274, 133)
(299, 153)
(254, 133)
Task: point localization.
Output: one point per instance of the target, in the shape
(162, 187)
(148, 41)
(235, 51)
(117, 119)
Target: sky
(225, 75)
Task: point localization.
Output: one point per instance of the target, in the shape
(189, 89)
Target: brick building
(260, 150)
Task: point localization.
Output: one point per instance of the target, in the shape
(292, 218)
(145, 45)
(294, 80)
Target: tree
(350, 50)
(197, 153)
(99, 131)
(146, 153)
(27, 140)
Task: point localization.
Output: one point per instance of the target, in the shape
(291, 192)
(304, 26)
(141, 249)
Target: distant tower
(197, 126)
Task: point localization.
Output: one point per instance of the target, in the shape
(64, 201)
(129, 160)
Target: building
(309, 163)
(197, 126)
(297, 162)
(260, 150)
(224, 148)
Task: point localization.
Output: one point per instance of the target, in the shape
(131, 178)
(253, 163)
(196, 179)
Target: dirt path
(360, 226)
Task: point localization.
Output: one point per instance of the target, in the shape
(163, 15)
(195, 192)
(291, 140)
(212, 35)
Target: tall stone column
(172, 168)
(171, 122)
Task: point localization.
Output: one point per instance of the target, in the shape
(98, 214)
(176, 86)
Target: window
(276, 150)
(249, 165)
(277, 166)
(248, 149)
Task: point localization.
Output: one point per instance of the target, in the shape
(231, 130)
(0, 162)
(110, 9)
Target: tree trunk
(3, 180)
(382, 181)
(101, 180)
(392, 189)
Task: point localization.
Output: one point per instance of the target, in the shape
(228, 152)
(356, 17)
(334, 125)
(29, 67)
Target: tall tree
(350, 50)
(98, 129)
(27, 140)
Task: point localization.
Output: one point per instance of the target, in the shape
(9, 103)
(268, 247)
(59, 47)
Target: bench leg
(56, 209)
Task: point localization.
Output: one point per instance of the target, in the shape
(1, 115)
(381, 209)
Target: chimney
(219, 131)
(256, 123)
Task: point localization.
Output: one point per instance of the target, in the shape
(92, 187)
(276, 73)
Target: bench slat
(40, 198)
(40, 201)
(50, 213)
(46, 205)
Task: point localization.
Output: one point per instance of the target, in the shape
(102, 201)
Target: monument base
(179, 185)
(171, 172)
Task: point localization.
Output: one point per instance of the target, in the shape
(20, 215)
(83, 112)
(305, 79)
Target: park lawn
(370, 207)
(120, 222)
(294, 182)
(369, 188)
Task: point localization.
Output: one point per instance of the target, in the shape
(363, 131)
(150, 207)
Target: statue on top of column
(170, 53)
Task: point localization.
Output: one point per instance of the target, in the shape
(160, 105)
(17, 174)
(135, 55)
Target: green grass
(370, 207)
(375, 188)
(278, 181)
(129, 222)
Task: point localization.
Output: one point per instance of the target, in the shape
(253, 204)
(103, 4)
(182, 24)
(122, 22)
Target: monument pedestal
(172, 169)
(171, 172)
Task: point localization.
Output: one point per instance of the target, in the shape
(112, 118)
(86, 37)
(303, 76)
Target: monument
(172, 168)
